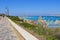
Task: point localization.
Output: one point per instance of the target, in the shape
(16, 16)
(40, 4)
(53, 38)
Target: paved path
(24, 33)
(6, 33)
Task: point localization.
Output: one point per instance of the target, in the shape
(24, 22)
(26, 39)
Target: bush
(15, 18)
(27, 25)
(49, 37)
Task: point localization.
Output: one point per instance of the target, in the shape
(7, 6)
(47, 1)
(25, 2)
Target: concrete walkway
(6, 33)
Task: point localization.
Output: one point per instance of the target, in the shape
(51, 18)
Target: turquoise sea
(51, 20)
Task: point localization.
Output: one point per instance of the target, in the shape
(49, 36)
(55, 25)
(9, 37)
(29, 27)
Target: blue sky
(31, 7)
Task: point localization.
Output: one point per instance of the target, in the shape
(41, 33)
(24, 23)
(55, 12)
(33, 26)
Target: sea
(52, 21)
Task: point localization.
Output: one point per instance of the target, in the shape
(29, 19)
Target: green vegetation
(50, 37)
(29, 26)
(15, 18)
(38, 29)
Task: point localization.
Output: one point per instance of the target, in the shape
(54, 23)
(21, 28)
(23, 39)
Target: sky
(31, 7)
